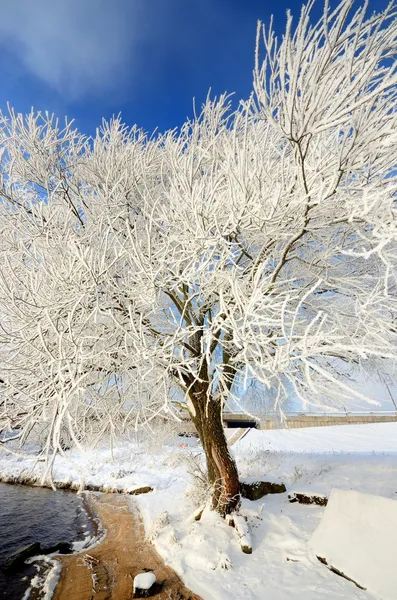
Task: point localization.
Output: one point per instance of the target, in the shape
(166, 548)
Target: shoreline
(49, 567)
(51, 522)
(106, 569)
(70, 486)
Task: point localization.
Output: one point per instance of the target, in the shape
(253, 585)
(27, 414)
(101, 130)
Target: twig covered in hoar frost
(140, 275)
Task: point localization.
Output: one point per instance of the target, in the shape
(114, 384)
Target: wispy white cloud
(77, 47)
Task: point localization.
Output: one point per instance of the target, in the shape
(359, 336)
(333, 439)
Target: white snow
(144, 581)
(51, 580)
(357, 535)
(373, 437)
(45, 583)
(206, 553)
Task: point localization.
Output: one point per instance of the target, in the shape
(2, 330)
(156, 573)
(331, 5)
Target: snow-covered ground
(207, 553)
(373, 437)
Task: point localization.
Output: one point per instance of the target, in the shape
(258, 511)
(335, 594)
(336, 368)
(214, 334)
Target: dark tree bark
(222, 469)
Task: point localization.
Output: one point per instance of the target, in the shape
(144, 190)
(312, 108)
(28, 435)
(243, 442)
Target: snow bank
(357, 535)
(124, 469)
(374, 437)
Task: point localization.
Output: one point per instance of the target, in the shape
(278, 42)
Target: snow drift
(357, 535)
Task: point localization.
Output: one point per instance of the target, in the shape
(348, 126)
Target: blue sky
(147, 59)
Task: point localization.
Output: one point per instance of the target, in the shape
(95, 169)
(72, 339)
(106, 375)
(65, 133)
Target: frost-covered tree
(255, 245)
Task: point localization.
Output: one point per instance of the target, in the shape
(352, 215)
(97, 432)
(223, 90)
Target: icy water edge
(33, 514)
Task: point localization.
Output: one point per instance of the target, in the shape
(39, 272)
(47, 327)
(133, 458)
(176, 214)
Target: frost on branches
(249, 246)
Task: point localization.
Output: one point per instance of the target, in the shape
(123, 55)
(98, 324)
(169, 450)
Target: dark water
(30, 515)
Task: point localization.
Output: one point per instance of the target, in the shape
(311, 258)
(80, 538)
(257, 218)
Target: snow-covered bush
(199, 492)
(158, 525)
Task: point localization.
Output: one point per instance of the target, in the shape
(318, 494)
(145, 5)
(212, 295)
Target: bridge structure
(294, 420)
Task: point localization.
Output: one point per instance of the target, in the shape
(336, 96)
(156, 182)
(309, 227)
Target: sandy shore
(107, 571)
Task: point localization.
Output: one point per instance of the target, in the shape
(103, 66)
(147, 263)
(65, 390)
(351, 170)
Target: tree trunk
(222, 469)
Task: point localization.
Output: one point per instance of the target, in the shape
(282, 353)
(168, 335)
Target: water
(30, 515)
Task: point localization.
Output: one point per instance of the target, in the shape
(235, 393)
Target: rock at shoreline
(18, 558)
(144, 585)
(92, 487)
(61, 547)
(258, 489)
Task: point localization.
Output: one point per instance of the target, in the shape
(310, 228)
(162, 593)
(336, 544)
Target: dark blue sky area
(147, 59)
